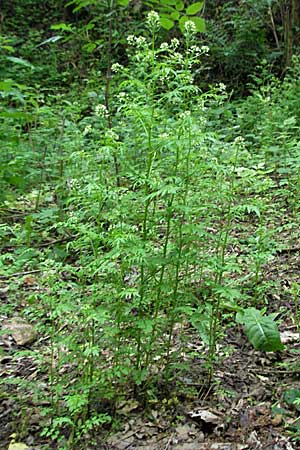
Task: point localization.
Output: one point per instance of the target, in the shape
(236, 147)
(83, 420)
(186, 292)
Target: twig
(17, 274)
(169, 442)
(56, 241)
(288, 250)
(274, 28)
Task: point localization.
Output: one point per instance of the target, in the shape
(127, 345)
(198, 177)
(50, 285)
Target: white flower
(152, 20)
(101, 111)
(87, 130)
(202, 121)
(239, 140)
(116, 67)
(140, 41)
(73, 183)
(204, 49)
(164, 46)
(152, 16)
(111, 135)
(222, 87)
(194, 49)
(131, 39)
(175, 43)
(185, 114)
(190, 27)
(177, 58)
(164, 136)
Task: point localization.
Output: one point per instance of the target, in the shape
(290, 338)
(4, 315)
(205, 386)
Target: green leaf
(201, 319)
(194, 8)
(198, 21)
(175, 15)
(90, 47)
(6, 85)
(62, 27)
(13, 114)
(123, 2)
(20, 61)
(261, 330)
(179, 5)
(166, 23)
(291, 396)
(200, 24)
(50, 40)
(168, 2)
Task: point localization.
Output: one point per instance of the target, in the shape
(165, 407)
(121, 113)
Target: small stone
(22, 332)
(17, 446)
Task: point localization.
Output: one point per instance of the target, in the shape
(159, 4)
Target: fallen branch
(19, 274)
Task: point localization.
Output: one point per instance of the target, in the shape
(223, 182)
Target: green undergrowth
(138, 217)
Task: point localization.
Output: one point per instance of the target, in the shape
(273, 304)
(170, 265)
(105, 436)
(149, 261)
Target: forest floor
(250, 404)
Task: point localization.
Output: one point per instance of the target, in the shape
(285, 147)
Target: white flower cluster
(177, 58)
(101, 111)
(174, 43)
(190, 27)
(131, 39)
(123, 96)
(185, 114)
(164, 46)
(239, 140)
(197, 51)
(111, 135)
(116, 67)
(138, 42)
(202, 121)
(87, 130)
(152, 20)
(222, 87)
(165, 74)
(73, 183)
(164, 136)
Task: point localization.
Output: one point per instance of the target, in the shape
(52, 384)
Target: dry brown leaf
(289, 336)
(206, 416)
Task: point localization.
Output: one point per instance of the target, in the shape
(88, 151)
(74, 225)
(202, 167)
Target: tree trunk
(291, 26)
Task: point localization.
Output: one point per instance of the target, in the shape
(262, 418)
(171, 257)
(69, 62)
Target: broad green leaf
(291, 396)
(13, 115)
(194, 8)
(198, 21)
(166, 23)
(261, 330)
(90, 47)
(89, 26)
(20, 61)
(168, 2)
(8, 48)
(123, 2)
(82, 4)
(182, 21)
(179, 5)
(6, 85)
(62, 27)
(175, 15)
(200, 24)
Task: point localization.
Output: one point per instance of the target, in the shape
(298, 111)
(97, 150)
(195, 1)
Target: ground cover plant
(150, 236)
